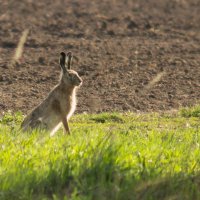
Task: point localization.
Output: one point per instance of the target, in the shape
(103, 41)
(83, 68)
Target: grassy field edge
(108, 156)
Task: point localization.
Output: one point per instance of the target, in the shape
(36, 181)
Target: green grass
(107, 156)
(191, 112)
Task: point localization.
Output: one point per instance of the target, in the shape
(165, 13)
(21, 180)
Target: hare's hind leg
(33, 124)
(38, 124)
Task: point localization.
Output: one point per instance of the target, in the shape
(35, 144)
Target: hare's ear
(62, 62)
(69, 60)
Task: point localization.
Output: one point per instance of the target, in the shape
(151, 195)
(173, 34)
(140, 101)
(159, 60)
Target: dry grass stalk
(156, 79)
(20, 46)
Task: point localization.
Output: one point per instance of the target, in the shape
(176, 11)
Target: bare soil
(133, 55)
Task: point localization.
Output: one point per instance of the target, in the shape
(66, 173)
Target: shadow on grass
(176, 187)
(118, 186)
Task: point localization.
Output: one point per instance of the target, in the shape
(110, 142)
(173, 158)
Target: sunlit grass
(107, 156)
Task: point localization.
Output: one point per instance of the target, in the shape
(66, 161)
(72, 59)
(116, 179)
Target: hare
(60, 103)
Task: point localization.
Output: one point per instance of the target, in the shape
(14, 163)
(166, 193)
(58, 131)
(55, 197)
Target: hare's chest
(68, 104)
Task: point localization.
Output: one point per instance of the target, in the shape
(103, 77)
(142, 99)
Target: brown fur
(56, 106)
(59, 105)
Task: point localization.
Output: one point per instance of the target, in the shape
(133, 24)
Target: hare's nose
(80, 81)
